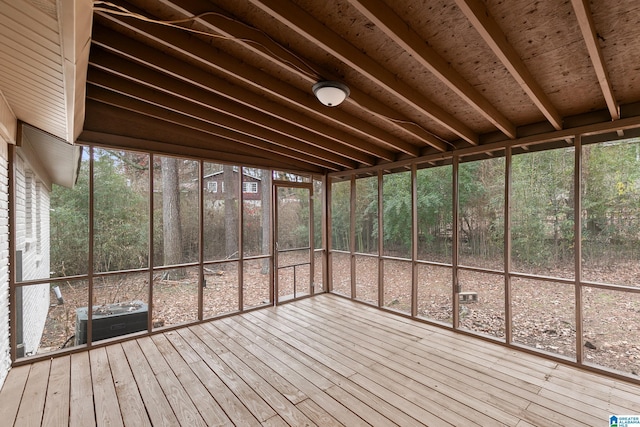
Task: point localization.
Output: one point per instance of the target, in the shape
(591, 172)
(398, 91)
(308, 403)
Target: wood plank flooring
(322, 361)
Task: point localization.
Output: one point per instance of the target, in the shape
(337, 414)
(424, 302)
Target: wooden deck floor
(321, 361)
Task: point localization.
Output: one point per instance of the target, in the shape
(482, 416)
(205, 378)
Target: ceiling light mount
(331, 93)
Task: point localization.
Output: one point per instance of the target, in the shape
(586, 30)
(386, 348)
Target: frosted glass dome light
(331, 93)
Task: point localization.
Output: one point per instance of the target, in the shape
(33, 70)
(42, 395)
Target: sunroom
(320, 213)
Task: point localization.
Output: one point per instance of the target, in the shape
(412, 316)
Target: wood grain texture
(104, 392)
(11, 393)
(81, 410)
(33, 398)
(321, 361)
(132, 407)
(56, 410)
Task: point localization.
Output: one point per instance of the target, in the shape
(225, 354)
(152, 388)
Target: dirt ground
(543, 312)
(175, 301)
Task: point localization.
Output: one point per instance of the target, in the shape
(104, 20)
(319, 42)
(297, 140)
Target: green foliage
(121, 220)
(293, 218)
(611, 199)
(542, 200)
(542, 207)
(340, 215)
(435, 219)
(396, 194)
(481, 208)
(121, 216)
(367, 215)
(69, 227)
(317, 214)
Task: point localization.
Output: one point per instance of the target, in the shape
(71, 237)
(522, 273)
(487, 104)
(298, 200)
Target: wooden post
(414, 240)
(454, 250)
(312, 255)
(329, 243)
(151, 247)
(352, 234)
(507, 247)
(577, 243)
(380, 241)
(325, 234)
(201, 278)
(90, 267)
(13, 320)
(240, 265)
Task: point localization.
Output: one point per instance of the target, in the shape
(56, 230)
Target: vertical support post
(201, 281)
(91, 266)
(312, 255)
(272, 234)
(380, 241)
(328, 233)
(150, 307)
(352, 235)
(272, 272)
(414, 240)
(455, 244)
(19, 307)
(325, 233)
(241, 240)
(274, 227)
(507, 247)
(577, 244)
(13, 320)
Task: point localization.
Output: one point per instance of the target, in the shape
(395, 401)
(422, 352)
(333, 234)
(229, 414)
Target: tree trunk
(230, 183)
(266, 216)
(171, 223)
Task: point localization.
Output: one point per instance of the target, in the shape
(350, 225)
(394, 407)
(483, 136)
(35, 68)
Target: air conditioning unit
(111, 320)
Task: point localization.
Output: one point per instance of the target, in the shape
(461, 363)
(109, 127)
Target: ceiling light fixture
(331, 93)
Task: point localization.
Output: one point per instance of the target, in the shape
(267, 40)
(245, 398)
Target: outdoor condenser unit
(111, 320)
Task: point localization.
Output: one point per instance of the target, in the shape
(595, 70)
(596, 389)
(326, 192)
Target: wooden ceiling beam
(130, 103)
(590, 35)
(210, 58)
(110, 125)
(396, 29)
(109, 140)
(308, 27)
(242, 118)
(119, 46)
(260, 44)
(477, 13)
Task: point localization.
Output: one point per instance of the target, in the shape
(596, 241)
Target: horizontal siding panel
(14, 83)
(25, 48)
(46, 70)
(32, 69)
(32, 29)
(35, 14)
(31, 82)
(34, 101)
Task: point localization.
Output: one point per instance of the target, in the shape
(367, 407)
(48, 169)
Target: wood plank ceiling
(231, 80)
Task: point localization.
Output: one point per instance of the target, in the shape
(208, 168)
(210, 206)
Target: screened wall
(146, 242)
(533, 246)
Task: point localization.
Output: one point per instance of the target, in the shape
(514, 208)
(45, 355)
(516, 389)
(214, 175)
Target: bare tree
(266, 218)
(230, 189)
(171, 221)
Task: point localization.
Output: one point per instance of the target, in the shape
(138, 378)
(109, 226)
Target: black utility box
(111, 320)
